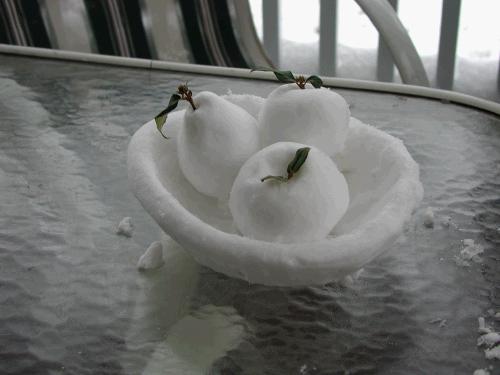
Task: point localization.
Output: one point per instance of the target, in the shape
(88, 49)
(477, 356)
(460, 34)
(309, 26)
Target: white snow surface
(214, 141)
(125, 227)
(315, 117)
(384, 189)
(250, 103)
(152, 257)
(303, 209)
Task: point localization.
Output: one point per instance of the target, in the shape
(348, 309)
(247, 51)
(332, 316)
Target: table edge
(354, 84)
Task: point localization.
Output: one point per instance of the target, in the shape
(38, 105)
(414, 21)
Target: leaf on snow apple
(161, 117)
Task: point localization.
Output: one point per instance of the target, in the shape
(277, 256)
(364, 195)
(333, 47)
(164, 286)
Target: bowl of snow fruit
(288, 190)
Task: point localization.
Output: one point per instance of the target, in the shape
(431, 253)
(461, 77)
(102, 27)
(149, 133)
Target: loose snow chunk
(489, 339)
(482, 327)
(492, 353)
(471, 251)
(152, 258)
(481, 372)
(429, 218)
(125, 228)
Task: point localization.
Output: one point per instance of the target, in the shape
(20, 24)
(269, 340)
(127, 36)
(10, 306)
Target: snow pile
(481, 372)
(125, 227)
(384, 189)
(304, 209)
(152, 257)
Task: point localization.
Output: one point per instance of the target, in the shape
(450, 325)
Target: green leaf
(284, 76)
(315, 81)
(160, 121)
(298, 161)
(172, 104)
(161, 117)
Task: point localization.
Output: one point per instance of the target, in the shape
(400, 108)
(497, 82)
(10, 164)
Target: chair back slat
(23, 23)
(117, 28)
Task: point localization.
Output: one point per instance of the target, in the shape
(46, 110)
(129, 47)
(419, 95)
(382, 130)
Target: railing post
(271, 29)
(450, 16)
(385, 62)
(328, 37)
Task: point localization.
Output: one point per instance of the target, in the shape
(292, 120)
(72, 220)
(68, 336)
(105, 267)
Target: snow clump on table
(152, 257)
(125, 227)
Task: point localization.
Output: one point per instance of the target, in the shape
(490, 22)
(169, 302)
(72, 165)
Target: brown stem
(301, 82)
(190, 100)
(186, 94)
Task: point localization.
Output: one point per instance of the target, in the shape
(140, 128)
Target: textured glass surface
(73, 302)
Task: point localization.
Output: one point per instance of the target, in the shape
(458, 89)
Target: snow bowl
(384, 188)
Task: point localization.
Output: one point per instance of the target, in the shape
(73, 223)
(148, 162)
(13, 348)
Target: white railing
(386, 58)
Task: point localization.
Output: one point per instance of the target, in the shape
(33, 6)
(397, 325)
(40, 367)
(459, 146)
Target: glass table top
(73, 302)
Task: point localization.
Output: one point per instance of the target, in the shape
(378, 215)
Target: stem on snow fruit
(287, 76)
(183, 93)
